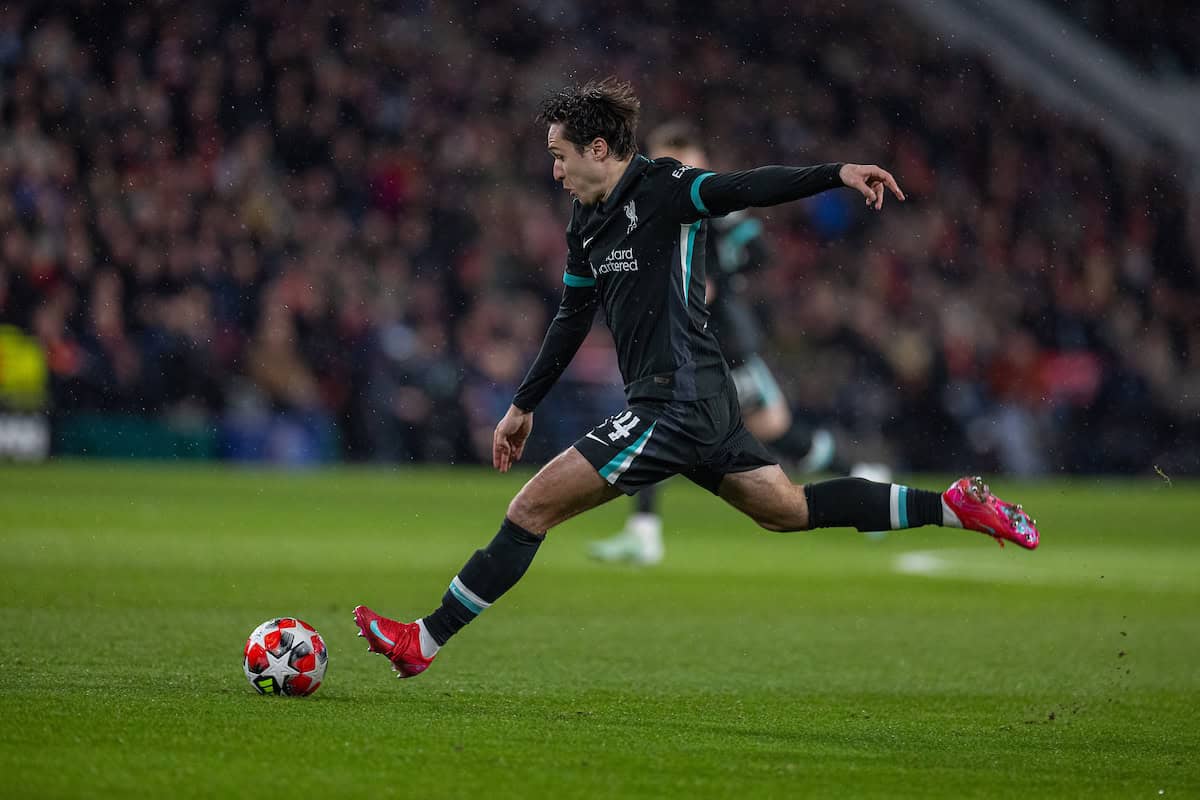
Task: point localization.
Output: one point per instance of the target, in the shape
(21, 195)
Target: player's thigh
(767, 496)
(567, 486)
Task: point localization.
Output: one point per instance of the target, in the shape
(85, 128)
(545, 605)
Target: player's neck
(613, 174)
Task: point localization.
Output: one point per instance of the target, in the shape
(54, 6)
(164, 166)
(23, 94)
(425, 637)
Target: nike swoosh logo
(379, 634)
(588, 241)
(596, 438)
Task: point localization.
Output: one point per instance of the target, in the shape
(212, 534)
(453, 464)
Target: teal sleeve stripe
(902, 507)
(696, 201)
(577, 280)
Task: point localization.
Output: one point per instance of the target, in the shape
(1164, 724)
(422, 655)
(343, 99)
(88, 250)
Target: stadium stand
(312, 234)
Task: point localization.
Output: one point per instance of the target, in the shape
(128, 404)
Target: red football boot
(399, 641)
(980, 510)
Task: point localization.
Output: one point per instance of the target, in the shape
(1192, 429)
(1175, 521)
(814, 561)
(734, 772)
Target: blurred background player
(736, 249)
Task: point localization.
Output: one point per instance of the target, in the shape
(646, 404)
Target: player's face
(692, 156)
(581, 174)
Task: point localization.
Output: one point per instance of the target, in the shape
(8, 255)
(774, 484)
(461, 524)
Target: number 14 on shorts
(622, 426)
(616, 428)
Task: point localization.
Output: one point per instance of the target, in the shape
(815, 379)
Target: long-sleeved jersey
(640, 254)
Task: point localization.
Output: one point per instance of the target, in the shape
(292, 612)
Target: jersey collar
(634, 171)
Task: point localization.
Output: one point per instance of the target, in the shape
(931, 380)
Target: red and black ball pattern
(285, 656)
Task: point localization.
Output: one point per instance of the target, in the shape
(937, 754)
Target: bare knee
(528, 511)
(538, 507)
(531, 510)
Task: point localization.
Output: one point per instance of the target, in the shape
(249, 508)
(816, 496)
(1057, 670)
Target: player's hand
(870, 181)
(508, 442)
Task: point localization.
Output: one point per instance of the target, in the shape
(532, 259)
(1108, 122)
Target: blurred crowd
(343, 217)
(1156, 35)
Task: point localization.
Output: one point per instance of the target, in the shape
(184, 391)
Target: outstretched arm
(717, 193)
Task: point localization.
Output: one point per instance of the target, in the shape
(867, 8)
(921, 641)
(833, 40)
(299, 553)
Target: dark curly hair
(607, 109)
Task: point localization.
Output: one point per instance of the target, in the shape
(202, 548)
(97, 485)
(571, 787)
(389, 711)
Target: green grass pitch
(930, 663)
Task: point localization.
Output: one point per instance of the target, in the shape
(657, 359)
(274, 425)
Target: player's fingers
(890, 182)
(864, 188)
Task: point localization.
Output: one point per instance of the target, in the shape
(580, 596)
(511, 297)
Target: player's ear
(598, 149)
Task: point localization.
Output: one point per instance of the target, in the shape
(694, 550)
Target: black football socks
(488, 574)
(870, 506)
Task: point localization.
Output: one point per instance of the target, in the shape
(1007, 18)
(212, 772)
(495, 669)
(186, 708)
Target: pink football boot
(980, 510)
(399, 641)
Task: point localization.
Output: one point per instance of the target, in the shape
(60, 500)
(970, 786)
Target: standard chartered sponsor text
(619, 261)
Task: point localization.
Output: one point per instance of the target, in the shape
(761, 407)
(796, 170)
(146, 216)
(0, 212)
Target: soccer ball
(285, 656)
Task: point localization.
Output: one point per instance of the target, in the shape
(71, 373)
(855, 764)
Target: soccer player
(635, 246)
(735, 250)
